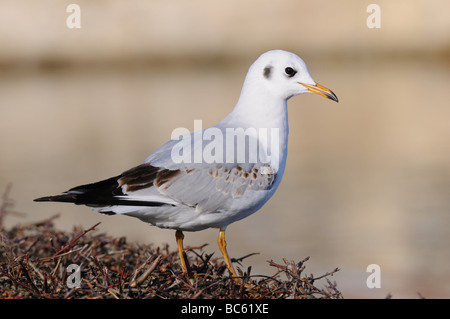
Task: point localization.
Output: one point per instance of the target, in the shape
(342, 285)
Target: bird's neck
(257, 107)
(265, 113)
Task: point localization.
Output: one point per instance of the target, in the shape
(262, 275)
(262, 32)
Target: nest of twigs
(35, 262)
(39, 261)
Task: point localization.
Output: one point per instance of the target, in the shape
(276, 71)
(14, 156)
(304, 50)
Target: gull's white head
(284, 75)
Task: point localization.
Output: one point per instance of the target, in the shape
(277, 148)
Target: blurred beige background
(367, 180)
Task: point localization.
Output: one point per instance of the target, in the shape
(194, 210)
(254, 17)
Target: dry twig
(112, 268)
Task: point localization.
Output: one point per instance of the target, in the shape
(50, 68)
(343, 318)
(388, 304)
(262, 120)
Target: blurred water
(367, 180)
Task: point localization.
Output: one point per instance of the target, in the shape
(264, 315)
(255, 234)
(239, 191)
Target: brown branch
(27, 275)
(4, 203)
(74, 240)
(146, 273)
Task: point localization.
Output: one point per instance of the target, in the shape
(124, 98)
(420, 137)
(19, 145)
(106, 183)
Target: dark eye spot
(290, 71)
(267, 71)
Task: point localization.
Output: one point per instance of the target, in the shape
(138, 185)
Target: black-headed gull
(216, 176)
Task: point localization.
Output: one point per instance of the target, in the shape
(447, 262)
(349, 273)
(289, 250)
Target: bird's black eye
(290, 71)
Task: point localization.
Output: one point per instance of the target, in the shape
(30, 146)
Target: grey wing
(160, 182)
(207, 187)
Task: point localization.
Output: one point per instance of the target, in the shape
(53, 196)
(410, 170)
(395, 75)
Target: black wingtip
(95, 201)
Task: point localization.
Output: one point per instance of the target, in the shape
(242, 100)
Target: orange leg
(183, 258)
(223, 248)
